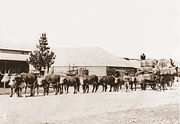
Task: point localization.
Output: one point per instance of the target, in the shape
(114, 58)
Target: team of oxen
(18, 82)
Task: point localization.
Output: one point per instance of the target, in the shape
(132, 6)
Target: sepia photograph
(89, 62)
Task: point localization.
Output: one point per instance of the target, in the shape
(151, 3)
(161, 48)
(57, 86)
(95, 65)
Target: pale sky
(125, 28)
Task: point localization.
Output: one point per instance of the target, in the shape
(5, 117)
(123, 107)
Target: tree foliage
(42, 57)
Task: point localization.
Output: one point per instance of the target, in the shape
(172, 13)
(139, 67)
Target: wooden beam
(5, 65)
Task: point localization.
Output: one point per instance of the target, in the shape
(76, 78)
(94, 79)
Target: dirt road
(110, 107)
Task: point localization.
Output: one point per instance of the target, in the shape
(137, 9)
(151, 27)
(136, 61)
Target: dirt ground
(94, 108)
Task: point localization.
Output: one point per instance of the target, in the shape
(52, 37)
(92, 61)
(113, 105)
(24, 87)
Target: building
(13, 60)
(96, 60)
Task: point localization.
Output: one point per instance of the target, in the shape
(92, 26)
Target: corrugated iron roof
(89, 56)
(135, 63)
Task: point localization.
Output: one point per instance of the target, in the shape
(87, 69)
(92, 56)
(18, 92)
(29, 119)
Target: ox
(16, 83)
(105, 81)
(47, 81)
(118, 83)
(5, 78)
(31, 81)
(89, 80)
(71, 81)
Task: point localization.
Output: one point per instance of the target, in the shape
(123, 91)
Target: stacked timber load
(147, 68)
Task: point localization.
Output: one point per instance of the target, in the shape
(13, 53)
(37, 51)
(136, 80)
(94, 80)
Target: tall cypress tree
(42, 57)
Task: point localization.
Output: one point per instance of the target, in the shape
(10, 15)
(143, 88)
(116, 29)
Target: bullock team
(18, 82)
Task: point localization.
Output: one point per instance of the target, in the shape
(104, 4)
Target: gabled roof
(135, 63)
(89, 56)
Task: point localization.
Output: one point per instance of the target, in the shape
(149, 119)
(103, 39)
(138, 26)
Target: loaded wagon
(168, 74)
(153, 72)
(146, 79)
(146, 75)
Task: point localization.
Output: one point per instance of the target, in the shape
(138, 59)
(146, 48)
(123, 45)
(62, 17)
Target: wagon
(155, 80)
(151, 83)
(149, 80)
(156, 72)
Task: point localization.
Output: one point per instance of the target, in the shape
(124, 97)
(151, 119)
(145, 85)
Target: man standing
(143, 57)
(126, 82)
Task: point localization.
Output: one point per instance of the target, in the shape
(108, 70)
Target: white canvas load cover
(146, 69)
(173, 70)
(164, 63)
(165, 71)
(147, 76)
(148, 63)
(140, 78)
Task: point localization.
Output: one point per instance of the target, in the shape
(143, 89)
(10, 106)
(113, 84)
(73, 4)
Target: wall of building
(97, 70)
(121, 70)
(93, 70)
(13, 61)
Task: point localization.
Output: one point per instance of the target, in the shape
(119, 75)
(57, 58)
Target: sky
(125, 28)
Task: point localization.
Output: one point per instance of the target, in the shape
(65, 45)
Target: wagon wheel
(142, 86)
(145, 86)
(158, 86)
(153, 86)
